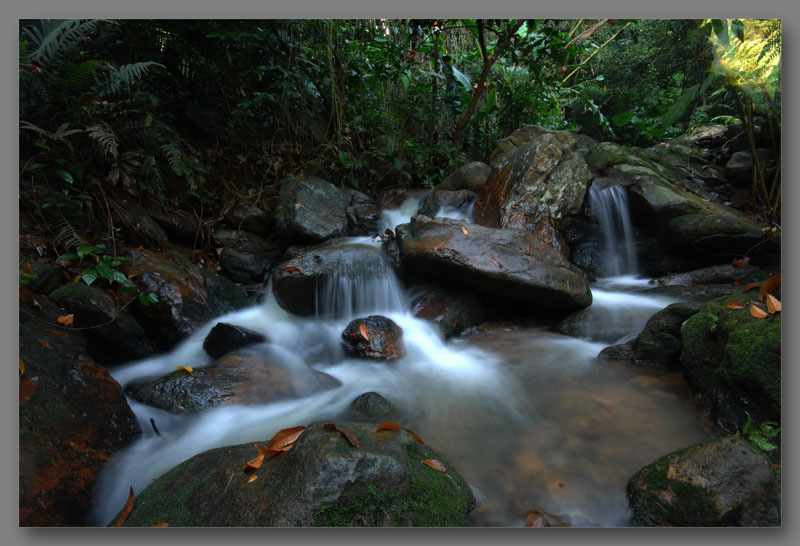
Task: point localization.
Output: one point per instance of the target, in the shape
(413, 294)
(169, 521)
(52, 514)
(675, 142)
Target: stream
(531, 419)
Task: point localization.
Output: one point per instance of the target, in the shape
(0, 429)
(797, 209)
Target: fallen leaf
(464, 230)
(292, 268)
(345, 432)
(187, 369)
(391, 425)
(703, 286)
(46, 344)
(298, 206)
(779, 467)
(534, 519)
(737, 283)
(751, 286)
(254, 463)
(125, 511)
(773, 304)
(26, 389)
(364, 332)
(55, 332)
(21, 366)
(733, 304)
(769, 286)
(252, 478)
(528, 250)
(164, 524)
(741, 262)
(66, 320)
(284, 438)
(680, 187)
(438, 245)
(434, 464)
(758, 312)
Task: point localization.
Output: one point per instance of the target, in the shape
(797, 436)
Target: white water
(610, 209)
(529, 418)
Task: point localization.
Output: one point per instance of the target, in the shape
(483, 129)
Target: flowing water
(531, 419)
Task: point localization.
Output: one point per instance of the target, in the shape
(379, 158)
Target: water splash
(609, 207)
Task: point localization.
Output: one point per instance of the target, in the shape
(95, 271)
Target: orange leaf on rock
(391, 425)
(773, 304)
(46, 344)
(348, 434)
(741, 262)
(464, 230)
(21, 366)
(252, 478)
(438, 245)
(284, 438)
(758, 312)
(769, 286)
(55, 332)
(434, 464)
(254, 463)
(26, 389)
(364, 332)
(703, 286)
(164, 524)
(737, 283)
(534, 519)
(528, 250)
(733, 304)
(292, 268)
(125, 511)
(187, 369)
(751, 286)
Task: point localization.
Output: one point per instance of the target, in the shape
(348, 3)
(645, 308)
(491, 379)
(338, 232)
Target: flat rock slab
(499, 263)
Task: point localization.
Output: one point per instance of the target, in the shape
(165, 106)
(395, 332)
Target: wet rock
(245, 257)
(437, 199)
(188, 295)
(538, 187)
(310, 210)
(621, 351)
(718, 483)
(740, 165)
(251, 218)
(452, 311)
(470, 176)
(322, 481)
(373, 337)
(48, 278)
(241, 377)
(181, 227)
(733, 360)
(504, 264)
(138, 226)
(120, 339)
(708, 283)
(296, 280)
(72, 418)
(659, 344)
(362, 215)
(372, 405)
(225, 337)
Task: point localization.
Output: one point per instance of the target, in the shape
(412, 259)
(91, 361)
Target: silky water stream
(531, 419)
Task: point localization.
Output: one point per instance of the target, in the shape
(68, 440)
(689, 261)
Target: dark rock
(138, 226)
(717, 483)
(362, 215)
(452, 311)
(470, 176)
(48, 278)
(310, 210)
(322, 481)
(246, 257)
(372, 405)
(242, 377)
(296, 281)
(224, 338)
(506, 264)
(383, 339)
(188, 296)
(120, 339)
(537, 187)
(740, 165)
(621, 351)
(250, 218)
(181, 227)
(437, 199)
(733, 360)
(717, 274)
(660, 341)
(72, 418)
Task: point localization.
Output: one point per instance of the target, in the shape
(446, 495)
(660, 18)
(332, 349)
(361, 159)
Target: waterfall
(609, 207)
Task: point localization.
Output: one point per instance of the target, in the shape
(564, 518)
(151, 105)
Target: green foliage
(761, 436)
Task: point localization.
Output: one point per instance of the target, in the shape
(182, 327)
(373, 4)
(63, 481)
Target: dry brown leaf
(27, 387)
(534, 519)
(528, 250)
(391, 425)
(21, 366)
(733, 304)
(737, 283)
(187, 369)
(364, 332)
(751, 286)
(741, 262)
(464, 230)
(773, 304)
(46, 344)
(703, 286)
(348, 434)
(434, 464)
(779, 467)
(125, 511)
(758, 312)
(284, 438)
(769, 286)
(292, 268)
(253, 477)
(163, 524)
(55, 332)
(254, 463)
(438, 245)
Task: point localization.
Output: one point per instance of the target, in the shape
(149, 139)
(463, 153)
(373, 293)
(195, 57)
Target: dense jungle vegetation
(199, 114)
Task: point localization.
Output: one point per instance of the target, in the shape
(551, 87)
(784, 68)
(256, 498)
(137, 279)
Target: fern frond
(56, 38)
(66, 235)
(59, 134)
(79, 75)
(115, 80)
(104, 135)
(174, 155)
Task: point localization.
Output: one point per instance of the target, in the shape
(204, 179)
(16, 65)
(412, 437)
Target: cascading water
(609, 207)
(527, 417)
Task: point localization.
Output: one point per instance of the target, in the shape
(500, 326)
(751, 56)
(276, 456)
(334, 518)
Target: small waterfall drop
(610, 209)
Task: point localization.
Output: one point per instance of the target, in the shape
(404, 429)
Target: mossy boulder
(322, 481)
(722, 482)
(660, 341)
(733, 359)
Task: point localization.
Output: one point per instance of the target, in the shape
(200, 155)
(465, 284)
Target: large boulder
(138, 226)
(225, 338)
(241, 377)
(250, 218)
(538, 187)
(733, 360)
(72, 418)
(362, 215)
(470, 176)
(659, 344)
(723, 482)
(453, 311)
(299, 281)
(188, 296)
(707, 283)
(310, 210)
(322, 481)
(245, 257)
(374, 337)
(509, 264)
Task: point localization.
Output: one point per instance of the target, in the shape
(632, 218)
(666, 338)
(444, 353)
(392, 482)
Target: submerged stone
(375, 337)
